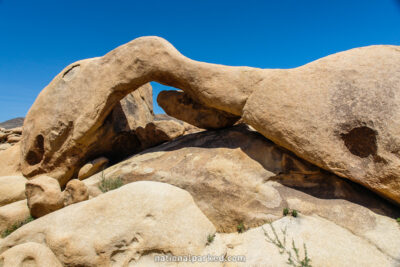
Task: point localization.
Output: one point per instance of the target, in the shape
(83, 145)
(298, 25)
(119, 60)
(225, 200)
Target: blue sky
(40, 38)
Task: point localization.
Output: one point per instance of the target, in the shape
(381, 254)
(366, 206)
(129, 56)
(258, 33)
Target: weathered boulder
(236, 175)
(179, 105)
(158, 132)
(13, 138)
(29, 254)
(13, 213)
(12, 188)
(327, 245)
(75, 191)
(120, 226)
(92, 167)
(44, 195)
(16, 130)
(10, 161)
(339, 112)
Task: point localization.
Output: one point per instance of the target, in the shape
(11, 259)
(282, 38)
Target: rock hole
(35, 154)
(361, 141)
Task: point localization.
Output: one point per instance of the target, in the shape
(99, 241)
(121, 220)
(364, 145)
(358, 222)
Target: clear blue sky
(40, 38)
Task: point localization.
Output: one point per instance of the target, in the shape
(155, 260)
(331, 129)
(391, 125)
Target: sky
(39, 38)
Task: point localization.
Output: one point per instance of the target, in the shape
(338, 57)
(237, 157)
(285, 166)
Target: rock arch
(301, 109)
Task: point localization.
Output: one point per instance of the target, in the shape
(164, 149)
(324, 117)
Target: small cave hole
(35, 154)
(361, 141)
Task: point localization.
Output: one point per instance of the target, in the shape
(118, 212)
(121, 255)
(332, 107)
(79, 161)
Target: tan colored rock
(29, 254)
(114, 136)
(75, 191)
(158, 132)
(338, 112)
(10, 160)
(3, 136)
(179, 105)
(12, 188)
(13, 138)
(13, 213)
(236, 175)
(16, 130)
(44, 196)
(120, 226)
(327, 245)
(92, 167)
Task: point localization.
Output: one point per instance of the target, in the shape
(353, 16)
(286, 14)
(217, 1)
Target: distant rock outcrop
(339, 112)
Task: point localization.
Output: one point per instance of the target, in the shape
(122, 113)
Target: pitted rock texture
(316, 111)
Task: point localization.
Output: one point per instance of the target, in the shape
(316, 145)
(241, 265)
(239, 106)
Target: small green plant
(15, 226)
(109, 183)
(285, 211)
(398, 220)
(294, 213)
(210, 239)
(240, 228)
(293, 253)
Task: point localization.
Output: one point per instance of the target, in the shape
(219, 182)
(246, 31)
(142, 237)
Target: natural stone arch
(306, 110)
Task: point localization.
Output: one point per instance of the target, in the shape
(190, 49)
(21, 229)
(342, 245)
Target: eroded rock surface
(339, 112)
(238, 176)
(117, 228)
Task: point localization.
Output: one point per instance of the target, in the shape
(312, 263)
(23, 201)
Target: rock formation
(75, 191)
(44, 196)
(8, 137)
(339, 112)
(137, 219)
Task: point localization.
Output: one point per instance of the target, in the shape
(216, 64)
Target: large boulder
(12, 214)
(12, 188)
(120, 226)
(75, 191)
(92, 167)
(44, 195)
(236, 175)
(29, 254)
(339, 112)
(10, 161)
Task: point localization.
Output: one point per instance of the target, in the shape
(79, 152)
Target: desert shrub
(108, 184)
(294, 213)
(210, 239)
(293, 253)
(285, 211)
(15, 226)
(240, 228)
